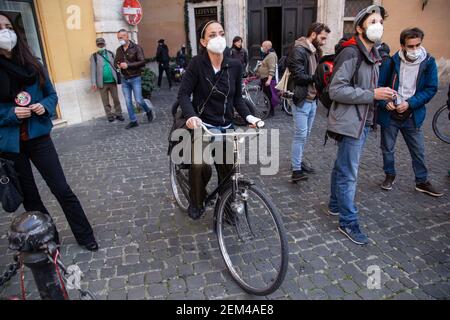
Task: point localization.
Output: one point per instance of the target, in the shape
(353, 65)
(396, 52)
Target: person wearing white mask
(413, 72)
(27, 106)
(130, 60)
(353, 89)
(214, 81)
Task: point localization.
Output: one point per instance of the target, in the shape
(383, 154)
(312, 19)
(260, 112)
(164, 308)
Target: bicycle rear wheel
(179, 182)
(259, 100)
(252, 239)
(441, 124)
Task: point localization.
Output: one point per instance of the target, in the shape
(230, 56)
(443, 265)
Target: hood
(423, 56)
(372, 56)
(303, 42)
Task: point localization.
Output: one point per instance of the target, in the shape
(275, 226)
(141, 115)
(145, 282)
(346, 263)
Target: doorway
(274, 23)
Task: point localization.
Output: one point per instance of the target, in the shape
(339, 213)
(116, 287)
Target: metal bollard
(32, 234)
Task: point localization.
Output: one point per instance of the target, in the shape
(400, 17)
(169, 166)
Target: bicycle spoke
(251, 244)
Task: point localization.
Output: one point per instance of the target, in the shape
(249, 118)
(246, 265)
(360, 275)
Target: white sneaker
(331, 213)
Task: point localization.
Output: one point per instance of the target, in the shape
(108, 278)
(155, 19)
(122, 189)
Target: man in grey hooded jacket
(353, 89)
(104, 79)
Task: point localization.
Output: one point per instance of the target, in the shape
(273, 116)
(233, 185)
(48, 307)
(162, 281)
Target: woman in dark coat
(214, 81)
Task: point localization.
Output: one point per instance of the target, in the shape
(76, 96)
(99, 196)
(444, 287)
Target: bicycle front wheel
(441, 124)
(252, 239)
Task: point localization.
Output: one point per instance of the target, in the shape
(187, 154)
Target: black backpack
(324, 74)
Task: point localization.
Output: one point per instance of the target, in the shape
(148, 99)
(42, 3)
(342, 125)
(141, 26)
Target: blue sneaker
(354, 234)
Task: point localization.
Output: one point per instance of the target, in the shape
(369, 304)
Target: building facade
(62, 32)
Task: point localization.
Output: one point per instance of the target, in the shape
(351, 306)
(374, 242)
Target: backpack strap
(355, 77)
(359, 62)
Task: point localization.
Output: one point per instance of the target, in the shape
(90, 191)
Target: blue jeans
(414, 140)
(303, 115)
(344, 179)
(129, 87)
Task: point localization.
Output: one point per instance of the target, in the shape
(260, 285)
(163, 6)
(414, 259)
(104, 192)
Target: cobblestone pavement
(150, 250)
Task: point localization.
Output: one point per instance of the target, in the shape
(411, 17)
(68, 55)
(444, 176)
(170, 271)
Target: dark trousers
(42, 153)
(110, 88)
(200, 174)
(415, 142)
(164, 67)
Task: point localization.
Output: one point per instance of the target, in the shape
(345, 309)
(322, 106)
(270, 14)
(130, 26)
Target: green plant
(148, 83)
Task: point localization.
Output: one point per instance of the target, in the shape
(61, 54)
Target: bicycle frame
(235, 173)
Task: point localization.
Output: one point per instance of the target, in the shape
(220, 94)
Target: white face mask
(375, 32)
(414, 54)
(122, 42)
(217, 45)
(8, 39)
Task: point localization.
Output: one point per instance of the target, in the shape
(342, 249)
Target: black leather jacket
(134, 57)
(198, 82)
(298, 64)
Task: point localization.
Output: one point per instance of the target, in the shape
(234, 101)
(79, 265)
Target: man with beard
(302, 63)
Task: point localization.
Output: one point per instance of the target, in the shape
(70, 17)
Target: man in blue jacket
(412, 72)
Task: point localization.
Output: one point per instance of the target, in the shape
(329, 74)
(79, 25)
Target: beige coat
(268, 66)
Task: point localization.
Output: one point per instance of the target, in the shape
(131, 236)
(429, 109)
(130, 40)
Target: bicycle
(255, 97)
(287, 103)
(441, 123)
(238, 120)
(246, 222)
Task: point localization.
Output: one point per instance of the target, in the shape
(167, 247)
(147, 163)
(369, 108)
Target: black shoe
(150, 116)
(427, 188)
(195, 213)
(111, 119)
(132, 125)
(299, 175)
(308, 169)
(120, 118)
(388, 182)
(91, 246)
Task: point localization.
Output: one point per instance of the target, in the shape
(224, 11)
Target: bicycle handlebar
(259, 125)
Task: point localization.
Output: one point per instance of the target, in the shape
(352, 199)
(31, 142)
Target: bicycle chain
(10, 272)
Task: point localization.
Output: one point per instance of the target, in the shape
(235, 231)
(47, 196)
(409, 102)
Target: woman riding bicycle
(215, 83)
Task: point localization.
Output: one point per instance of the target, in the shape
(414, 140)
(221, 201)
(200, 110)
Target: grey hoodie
(409, 72)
